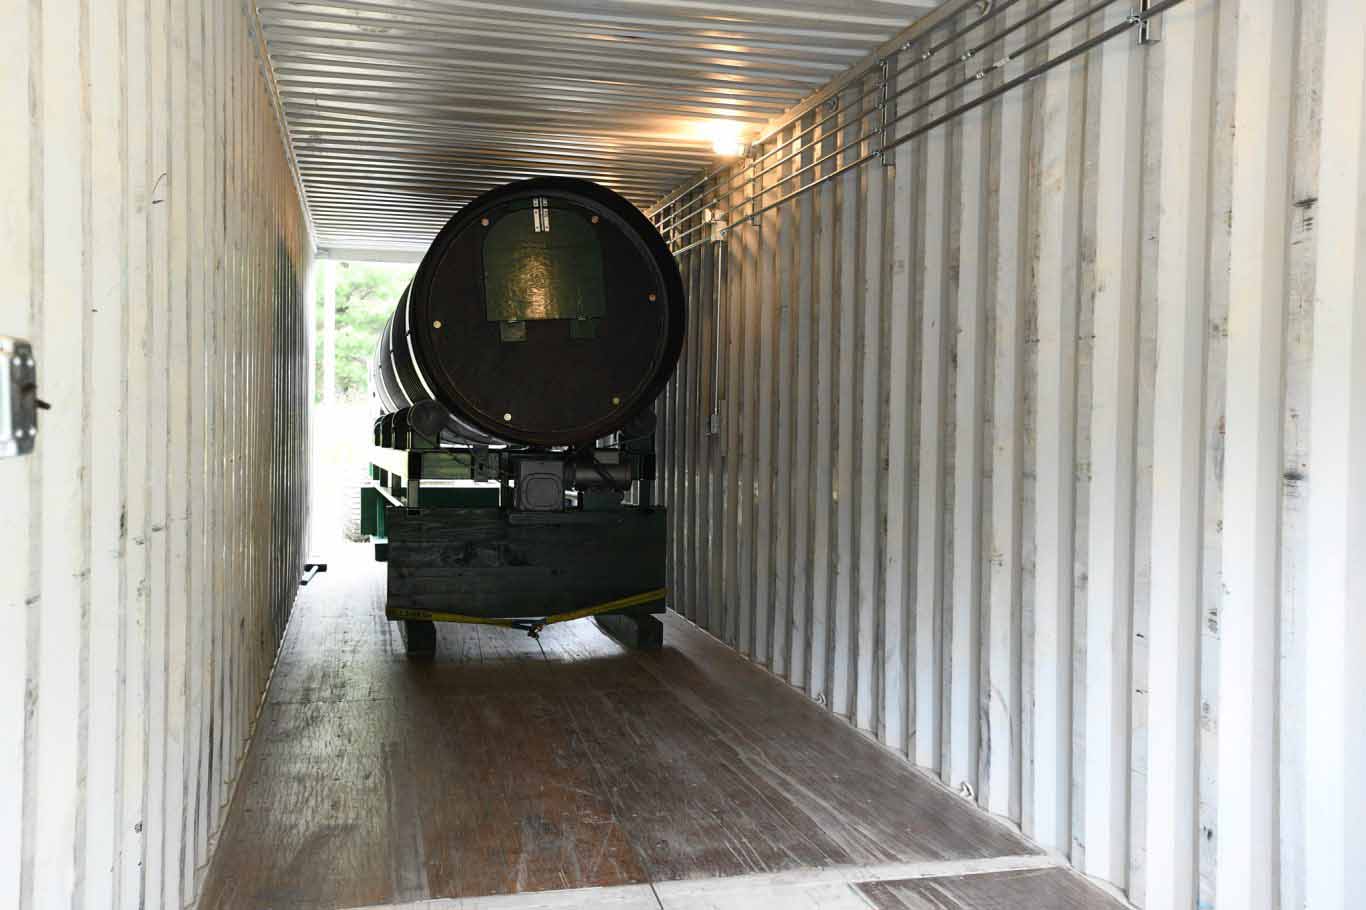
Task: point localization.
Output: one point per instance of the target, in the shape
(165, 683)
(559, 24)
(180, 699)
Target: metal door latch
(1149, 31)
(19, 401)
(540, 214)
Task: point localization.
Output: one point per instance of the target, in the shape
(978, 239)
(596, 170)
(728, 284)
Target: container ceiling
(400, 111)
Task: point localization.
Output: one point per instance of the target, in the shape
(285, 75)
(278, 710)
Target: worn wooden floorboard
(509, 765)
(1016, 883)
(1036, 889)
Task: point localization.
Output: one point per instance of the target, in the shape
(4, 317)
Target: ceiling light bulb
(725, 138)
(728, 148)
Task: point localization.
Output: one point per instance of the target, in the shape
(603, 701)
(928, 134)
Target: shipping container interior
(1012, 466)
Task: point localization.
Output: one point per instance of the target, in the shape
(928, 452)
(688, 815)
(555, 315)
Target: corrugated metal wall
(1040, 448)
(155, 252)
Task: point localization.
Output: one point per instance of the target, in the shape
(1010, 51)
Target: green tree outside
(366, 295)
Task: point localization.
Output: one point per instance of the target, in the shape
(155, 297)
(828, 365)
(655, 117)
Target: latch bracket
(1149, 29)
(19, 402)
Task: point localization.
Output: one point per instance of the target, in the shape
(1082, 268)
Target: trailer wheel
(419, 638)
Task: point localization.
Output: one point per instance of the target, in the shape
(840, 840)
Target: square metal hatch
(541, 267)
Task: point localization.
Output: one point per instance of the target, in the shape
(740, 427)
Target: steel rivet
(507, 417)
(436, 324)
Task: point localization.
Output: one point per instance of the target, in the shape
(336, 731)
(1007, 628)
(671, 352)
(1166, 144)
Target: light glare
(725, 138)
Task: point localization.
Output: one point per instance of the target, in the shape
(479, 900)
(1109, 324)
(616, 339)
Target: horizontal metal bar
(998, 64)
(599, 62)
(1135, 20)
(493, 40)
(729, 215)
(636, 98)
(874, 90)
(961, 60)
(907, 37)
(825, 23)
(802, 189)
(645, 159)
(1047, 66)
(310, 119)
(410, 256)
(972, 52)
(692, 246)
(856, 141)
(731, 186)
(408, 162)
(472, 177)
(399, 19)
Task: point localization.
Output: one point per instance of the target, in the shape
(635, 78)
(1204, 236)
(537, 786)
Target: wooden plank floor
(507, 766)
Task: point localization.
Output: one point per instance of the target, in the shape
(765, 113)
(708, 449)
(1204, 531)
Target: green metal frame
(373, 503)
(404, 479)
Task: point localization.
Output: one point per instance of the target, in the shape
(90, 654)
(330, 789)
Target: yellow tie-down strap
(532, 627)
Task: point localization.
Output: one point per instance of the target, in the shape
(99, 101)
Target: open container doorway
(351, 301)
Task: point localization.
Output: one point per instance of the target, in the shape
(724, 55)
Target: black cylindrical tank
(546, 312)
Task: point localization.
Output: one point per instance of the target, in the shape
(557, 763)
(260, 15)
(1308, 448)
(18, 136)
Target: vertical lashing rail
(884, 103)
(718, 282)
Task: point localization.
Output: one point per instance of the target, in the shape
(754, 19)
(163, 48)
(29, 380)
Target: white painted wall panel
(1335, 696)
(16, 475)
(155, 253)
(1118, 442)
(1247, 622)
(1114, 404)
